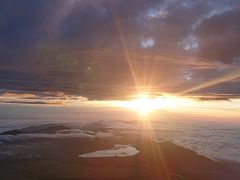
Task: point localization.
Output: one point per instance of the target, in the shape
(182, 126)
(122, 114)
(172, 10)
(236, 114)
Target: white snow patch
(72, 133)
(75, 131)
(117, 151)
(104, 135)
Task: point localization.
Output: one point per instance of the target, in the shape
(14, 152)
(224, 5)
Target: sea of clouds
(216, 140)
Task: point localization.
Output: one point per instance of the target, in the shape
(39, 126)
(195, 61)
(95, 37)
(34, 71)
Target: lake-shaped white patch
(117, 151)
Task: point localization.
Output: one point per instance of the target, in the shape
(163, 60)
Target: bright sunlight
(144, 103)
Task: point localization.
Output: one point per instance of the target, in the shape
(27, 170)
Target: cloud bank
(101, 48)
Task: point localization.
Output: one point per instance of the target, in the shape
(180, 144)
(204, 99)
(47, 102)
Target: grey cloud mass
(102, 48)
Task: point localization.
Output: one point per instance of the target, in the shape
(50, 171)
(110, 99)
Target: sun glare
(144, 103)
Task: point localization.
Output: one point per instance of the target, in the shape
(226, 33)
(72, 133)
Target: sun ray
(228, 77)
(125, 47)
(147, 131)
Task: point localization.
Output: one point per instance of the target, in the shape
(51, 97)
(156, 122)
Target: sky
(105, 49)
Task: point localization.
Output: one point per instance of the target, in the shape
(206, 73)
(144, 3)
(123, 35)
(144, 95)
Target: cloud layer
(102, 48)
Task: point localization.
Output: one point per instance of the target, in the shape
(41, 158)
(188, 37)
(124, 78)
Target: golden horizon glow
(144, 104)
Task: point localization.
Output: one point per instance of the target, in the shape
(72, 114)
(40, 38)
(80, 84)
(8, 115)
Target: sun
(144, 104)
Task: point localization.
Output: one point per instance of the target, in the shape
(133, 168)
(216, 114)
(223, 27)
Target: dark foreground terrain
(57, 159)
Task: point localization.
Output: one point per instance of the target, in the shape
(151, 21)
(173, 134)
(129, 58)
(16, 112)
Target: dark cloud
(31, 102)
(84, 47)
(219, 37)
